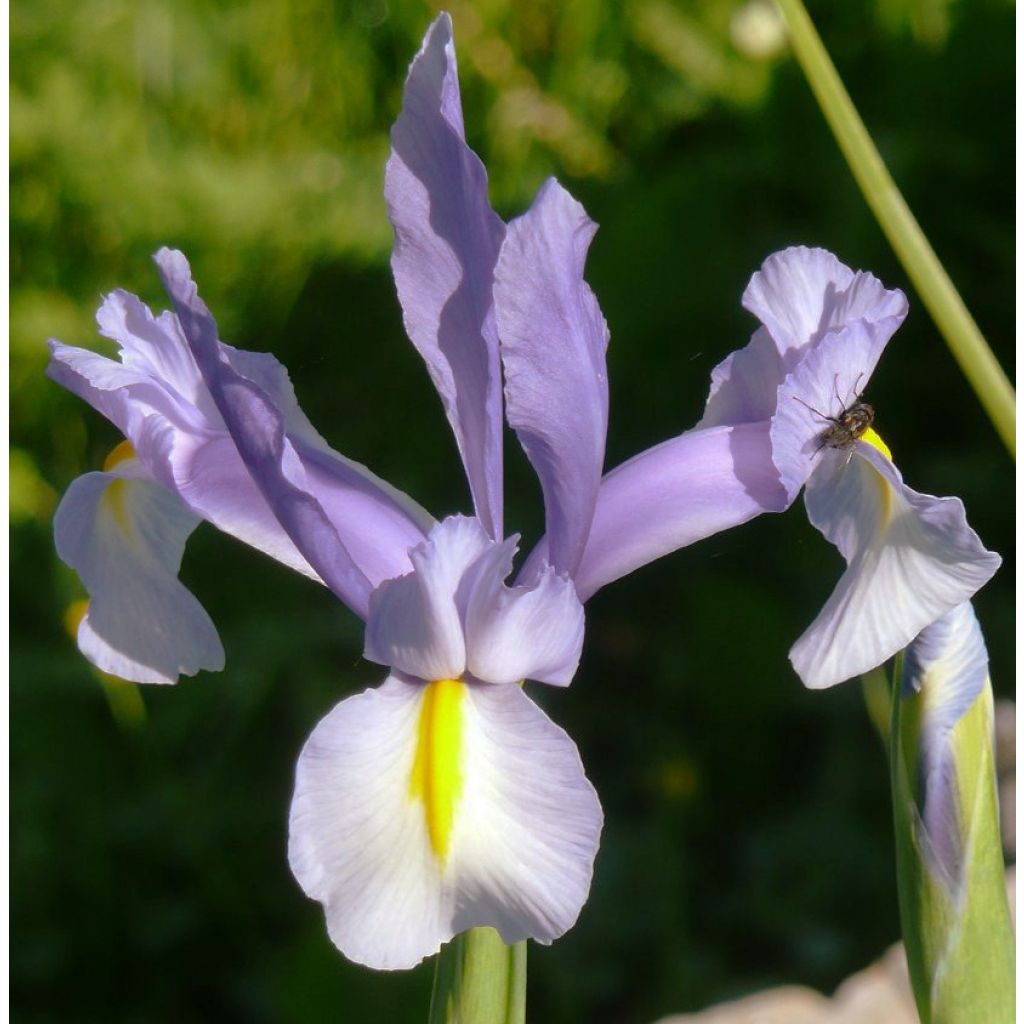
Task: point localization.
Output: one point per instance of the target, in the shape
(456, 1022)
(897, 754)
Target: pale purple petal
(679, 492)
(523, 838)
(911, 559)
(948, 663)
(553, 343)
(801, 297)
(446, 245)
(124, 534)
(257, 427)
(801, 294)
(415, 622)
(377, 523)
(159, 400)
(745, 385)
(522, 632)
(155, 348)
(828, 380)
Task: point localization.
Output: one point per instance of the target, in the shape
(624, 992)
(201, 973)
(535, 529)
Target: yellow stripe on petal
(875, 441)
(73, 616)
(121, 453)
(114, 497)
(437, 768)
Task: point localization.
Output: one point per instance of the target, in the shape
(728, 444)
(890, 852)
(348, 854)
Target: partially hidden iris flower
(949, 860)
(911, 558)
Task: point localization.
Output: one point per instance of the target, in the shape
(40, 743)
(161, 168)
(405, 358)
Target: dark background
(748, 837)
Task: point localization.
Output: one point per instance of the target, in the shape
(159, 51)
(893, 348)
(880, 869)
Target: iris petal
(676, 493)
(948, 664)
(125, 535)
(553, 344)
(446, 245)
(414, 622)
(524, 832)
(910, 559)
(523, 632)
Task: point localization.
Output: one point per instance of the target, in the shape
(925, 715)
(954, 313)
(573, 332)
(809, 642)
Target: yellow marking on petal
(74, 615)
(121, 453)
(114, 497)
(875, 441)
(437, 767)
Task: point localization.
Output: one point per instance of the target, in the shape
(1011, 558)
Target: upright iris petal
(446, 245)
(553, 343)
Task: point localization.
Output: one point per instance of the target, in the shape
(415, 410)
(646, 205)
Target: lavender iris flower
(444, 798)
(911, 558)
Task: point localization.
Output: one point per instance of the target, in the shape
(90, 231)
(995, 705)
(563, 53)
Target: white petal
(524, 632)
(522, 842)
(911, 558)
(125, 535)
(414, 623)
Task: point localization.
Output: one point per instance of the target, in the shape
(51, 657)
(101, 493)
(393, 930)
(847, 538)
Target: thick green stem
(923, 268)
(479, 980)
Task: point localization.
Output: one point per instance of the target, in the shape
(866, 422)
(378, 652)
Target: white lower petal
(911, 558)
(125, 535)
(518, 850)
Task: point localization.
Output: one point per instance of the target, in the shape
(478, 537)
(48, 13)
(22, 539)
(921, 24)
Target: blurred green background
(747, 839)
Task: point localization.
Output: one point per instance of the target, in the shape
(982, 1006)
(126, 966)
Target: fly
(850, 425)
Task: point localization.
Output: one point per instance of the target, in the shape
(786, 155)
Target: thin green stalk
(923, 268)
(479, 980)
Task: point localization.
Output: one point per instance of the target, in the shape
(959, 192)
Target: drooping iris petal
(800, 294)
(522, 632)
(948, 664)
(671, 495)
(124, 535)
(420, 812)
(446, 245)
(157, 394)
(415, 623)
(828, 380)
(257, 427)
(553, 344)
(911, 558)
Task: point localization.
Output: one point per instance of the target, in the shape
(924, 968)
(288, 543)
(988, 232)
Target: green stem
(919, 261)
(479, 980)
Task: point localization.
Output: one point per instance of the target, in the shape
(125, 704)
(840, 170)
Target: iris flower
(911, 558)
(950, 866)
(444, 798)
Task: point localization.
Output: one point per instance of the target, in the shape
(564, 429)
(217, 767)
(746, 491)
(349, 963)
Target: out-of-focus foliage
(748, 835)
